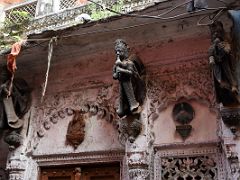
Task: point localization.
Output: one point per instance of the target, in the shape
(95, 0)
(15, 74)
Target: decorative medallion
(183, 113)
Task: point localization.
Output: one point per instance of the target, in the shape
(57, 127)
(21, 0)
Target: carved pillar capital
(138, 166)
(16, 168)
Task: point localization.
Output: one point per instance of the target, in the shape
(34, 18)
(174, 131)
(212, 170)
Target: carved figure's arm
(115, 73)
(227, 47)
(122, 70)
(211, 52)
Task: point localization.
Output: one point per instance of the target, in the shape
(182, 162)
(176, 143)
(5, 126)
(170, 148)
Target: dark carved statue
(14, 104)
(128, 70)
(223, 67)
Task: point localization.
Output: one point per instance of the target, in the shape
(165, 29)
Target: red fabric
(11, 58)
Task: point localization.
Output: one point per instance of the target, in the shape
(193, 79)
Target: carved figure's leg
(229, 75)
(121, 111)
(13, 121)
(128, 89)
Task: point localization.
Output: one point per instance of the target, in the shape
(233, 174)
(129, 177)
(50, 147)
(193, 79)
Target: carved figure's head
(121, 49)
(217, 30)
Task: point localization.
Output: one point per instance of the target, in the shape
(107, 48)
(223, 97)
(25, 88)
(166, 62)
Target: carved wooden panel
(58, 174)
(109, 172)
(189, 162)
(105, 173)
(189, 168)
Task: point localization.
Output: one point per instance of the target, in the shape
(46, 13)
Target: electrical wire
(212, 20)
(222, 1)
(159, 17)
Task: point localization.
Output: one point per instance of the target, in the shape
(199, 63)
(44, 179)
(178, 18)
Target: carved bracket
(130, 127)
(231, 117)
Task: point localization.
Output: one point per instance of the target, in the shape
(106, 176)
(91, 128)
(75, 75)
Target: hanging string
(50, 52)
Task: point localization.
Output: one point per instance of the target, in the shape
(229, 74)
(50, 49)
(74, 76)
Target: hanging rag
(11, 58)
(11, 62)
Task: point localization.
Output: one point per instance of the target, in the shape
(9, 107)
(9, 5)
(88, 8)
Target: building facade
(72, 131)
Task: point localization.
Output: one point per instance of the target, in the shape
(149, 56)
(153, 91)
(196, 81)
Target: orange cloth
(82, 2)
(11, 58)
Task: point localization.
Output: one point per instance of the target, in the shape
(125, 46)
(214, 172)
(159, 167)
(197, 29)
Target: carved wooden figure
(128, 70)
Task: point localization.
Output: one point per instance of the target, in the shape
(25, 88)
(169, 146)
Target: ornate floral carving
(189, 80)
(199, 167)
(188, 162)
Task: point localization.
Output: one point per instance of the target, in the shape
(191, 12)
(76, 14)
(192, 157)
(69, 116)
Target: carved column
(138, 153)
(138, 166)
(16, 166)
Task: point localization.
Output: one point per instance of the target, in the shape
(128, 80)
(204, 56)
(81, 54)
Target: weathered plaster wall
(204, 126)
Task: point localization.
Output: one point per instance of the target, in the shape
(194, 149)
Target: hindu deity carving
(76, 133)
(14, 103)
(222, 63)
(128, 70)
